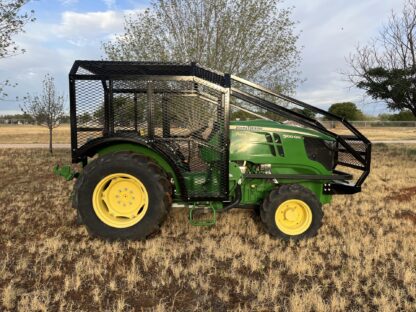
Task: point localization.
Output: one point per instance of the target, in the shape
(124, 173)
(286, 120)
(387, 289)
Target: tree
(241, 115)
(48, 109)
(11, 23)
(404, 115)
(251, 38)
(346, 110)
(304, 111)
(386, 67)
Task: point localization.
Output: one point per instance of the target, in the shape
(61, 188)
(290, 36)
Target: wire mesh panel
(191, 124)
(250, 101)
(182, 111)
(89, 111)
(181, 116)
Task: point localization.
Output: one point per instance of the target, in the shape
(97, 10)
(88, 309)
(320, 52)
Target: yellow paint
(120, 200)
(293, 217)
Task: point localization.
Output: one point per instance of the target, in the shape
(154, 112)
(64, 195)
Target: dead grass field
(33, 134)
(386, 133)
(37, 134)
(362, 260)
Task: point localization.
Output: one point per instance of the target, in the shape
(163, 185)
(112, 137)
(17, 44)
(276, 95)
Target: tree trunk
(50, 140)
(413, 109)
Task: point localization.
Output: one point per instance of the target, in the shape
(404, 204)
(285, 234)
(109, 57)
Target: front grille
(321, 151)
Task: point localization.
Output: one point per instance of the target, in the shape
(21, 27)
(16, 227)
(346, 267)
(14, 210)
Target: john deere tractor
(149, 136)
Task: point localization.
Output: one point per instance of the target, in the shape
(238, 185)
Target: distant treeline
(23, 119)
(28, 120)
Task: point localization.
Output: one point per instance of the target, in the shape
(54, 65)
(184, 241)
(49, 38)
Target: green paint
(207, 222)
(142, 150)
(202, 182)
(256, 142)
(282, 147)
(65, 171)
(208, 154)
(234, 176)
(257, 125)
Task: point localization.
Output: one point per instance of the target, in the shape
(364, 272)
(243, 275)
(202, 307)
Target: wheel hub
(293, 217)
(120, 200)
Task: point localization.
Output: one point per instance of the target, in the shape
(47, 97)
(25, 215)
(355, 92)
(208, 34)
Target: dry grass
(37, 134)
(362, 260)
(33, 134)
(385, 134)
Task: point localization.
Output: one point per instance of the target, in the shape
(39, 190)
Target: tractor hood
(275, 126)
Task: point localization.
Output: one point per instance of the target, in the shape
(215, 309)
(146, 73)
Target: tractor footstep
(198, 216)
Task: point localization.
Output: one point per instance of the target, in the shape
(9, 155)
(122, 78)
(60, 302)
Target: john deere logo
(248, 128)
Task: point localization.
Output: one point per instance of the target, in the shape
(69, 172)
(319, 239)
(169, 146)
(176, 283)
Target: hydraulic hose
(236, 202)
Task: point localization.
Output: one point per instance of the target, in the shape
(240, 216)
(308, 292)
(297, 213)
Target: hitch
(65, 171)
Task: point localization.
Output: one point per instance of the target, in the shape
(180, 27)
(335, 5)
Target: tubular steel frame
(108, 71)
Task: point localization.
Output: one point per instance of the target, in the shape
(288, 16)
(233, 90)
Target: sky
(66, 30)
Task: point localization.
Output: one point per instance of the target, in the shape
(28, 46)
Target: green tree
(346, 110)
(386, 67)
(304, 111)
(47, 109)
(123, 110)
(12, 22)
(241, 115)
(85, 118)
(404, 115)
(254, 39)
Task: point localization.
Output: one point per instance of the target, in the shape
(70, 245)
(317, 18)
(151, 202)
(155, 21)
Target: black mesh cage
(352, 151)
(178, 110)
(182, 111)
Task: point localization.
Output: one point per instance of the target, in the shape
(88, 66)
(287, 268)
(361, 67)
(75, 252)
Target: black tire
(74, 203)
(151, 175)
(283, 193)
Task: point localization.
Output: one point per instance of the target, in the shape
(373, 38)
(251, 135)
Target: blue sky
(67, 30)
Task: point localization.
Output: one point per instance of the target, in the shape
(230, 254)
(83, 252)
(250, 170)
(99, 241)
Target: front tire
(123, 195)
(291, 212)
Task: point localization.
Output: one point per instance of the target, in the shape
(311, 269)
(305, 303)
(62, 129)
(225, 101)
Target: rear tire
(116, 180)
(291, 212)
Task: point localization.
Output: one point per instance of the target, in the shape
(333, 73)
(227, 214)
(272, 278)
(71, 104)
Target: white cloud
(84, 27)
(331, 29)
(53, 47)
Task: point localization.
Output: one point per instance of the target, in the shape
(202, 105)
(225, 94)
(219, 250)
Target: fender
(163, 157)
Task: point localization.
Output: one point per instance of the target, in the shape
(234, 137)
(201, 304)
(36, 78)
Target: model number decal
(289, 136)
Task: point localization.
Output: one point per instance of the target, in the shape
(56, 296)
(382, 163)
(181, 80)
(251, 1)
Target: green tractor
(151, 136)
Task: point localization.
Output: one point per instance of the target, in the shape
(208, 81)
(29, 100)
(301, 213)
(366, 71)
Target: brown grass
(362, 260)
(37, 134)
(385, 134)
(33, 134)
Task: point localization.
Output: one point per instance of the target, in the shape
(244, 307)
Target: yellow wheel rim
(120, 200)
(293, 217)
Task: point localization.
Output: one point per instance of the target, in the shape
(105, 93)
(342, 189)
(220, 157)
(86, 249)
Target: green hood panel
(269, 142)
(278, 127)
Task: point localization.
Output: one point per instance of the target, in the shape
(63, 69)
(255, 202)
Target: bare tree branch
(386, 67)
(251, 38)
(11, 23)
(46, 109)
